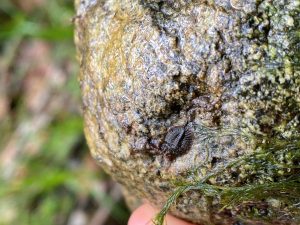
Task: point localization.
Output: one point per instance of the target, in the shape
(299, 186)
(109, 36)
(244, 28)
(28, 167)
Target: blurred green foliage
(54, 176)
(52, 21)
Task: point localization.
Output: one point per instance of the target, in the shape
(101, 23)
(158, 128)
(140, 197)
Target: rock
(198, 93)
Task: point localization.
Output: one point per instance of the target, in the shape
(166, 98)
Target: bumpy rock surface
(224, 73)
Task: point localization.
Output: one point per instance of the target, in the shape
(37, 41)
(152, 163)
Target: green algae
(265, 96)
(286, 190)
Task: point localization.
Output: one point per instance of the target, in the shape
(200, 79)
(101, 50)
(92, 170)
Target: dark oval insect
(177, 141)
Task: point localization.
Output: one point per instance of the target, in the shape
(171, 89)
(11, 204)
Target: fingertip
(145, 214)
(142, 215)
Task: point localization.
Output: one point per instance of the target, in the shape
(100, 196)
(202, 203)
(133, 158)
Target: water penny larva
(177, 141)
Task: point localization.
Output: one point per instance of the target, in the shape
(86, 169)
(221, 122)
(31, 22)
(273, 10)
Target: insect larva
(177, 141)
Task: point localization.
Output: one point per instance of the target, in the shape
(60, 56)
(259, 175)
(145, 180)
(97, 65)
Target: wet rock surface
(173, 90)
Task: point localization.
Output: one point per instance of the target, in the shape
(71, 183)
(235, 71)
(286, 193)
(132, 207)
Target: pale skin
(145, 214)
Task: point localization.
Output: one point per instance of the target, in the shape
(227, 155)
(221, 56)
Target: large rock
(196, 92)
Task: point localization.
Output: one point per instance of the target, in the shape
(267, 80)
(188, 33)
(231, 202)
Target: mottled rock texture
(224, 72)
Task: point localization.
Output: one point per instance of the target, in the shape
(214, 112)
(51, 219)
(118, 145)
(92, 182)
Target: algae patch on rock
(228, 71)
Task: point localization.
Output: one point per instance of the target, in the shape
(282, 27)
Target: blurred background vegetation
(47, 175)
